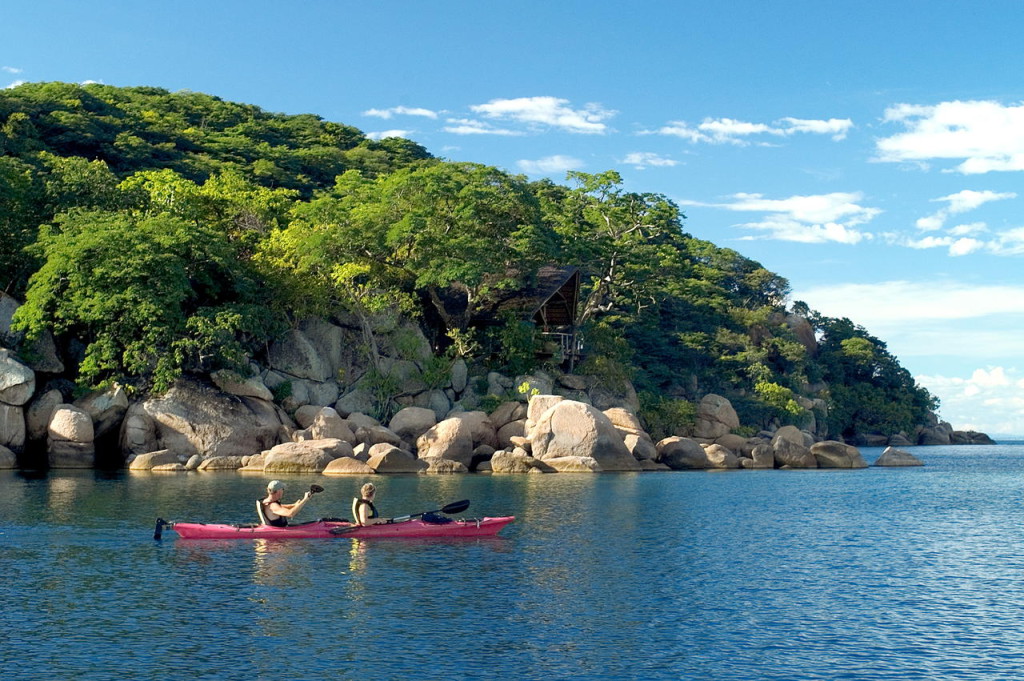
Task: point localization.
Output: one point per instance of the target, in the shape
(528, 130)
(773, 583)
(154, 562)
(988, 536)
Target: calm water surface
(872, 574)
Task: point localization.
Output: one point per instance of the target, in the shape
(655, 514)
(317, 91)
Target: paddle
(158, 532)
(315, 489)
(454, 507)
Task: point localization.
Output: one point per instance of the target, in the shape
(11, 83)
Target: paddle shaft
(454, 507)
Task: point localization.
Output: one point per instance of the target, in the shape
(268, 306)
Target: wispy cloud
(388, 133)
(820, 218)
(400, 111)
(643, 159)
(10, 69)
(985, 136)
(961, 202)
(731, 131)
(548, 112)
(550, 165)
(15, 84)
(469, 126)
(901, 302)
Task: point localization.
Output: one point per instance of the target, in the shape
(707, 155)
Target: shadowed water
(879, 573)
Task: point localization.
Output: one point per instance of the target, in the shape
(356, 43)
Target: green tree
(147, 298)
(19, 218)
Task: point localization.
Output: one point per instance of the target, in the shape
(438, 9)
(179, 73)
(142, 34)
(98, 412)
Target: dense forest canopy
(158, 233)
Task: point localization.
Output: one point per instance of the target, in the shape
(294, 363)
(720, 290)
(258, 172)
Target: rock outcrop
(897, 457)
(573, 429)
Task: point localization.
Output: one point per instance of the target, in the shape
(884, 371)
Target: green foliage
(383, 387)
(180, 231)
(488, 403)
(609, 356)
(781, 400)
(516, 347)
(436, 372)
(664, 417)
(282, 392)
(148, 299)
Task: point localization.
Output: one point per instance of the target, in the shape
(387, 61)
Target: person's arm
(289, 510)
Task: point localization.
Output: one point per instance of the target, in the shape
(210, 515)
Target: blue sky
(869, 152)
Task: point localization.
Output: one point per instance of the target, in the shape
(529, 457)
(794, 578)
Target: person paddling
(363, 510)
(272, 511)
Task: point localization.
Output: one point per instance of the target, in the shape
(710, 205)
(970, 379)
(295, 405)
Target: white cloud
(548, 111)
(388, 133)
(642, 159)
(988, 401)
(400, 111)
(731, 131)
(15, 84)
(1010, 242)
(965, 246)
(833, 126)
(817, 218)
(968, 229)
(891, 304)
(467, 126)
(550, 165)
(946, 324)
(961, 202)
(10, 69)
(984, 135)
(968, 200)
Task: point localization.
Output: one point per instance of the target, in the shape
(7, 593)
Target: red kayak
(329, 529)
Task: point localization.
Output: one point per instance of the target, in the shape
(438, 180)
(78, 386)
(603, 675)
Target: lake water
(872, 574)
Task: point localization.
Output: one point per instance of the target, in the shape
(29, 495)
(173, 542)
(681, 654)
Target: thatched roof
(550, 302)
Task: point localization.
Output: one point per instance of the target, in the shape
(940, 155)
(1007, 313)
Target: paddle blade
(315, 489)
(456, 507)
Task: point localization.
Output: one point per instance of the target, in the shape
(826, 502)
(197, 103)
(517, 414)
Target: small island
(193, 284)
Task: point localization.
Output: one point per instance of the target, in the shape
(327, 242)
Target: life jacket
(264, 513)
(356, 503)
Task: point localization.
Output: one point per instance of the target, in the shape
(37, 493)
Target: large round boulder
(348, 465)
(69, 423)
(149, 460)
(449, 439)
(788, 453)
(833, 454)
(682, 453)
(411, 422)
(311, 456)
(721, 457)
(571, 428)
(192, 418)
(715, 417)
(17, 381)
(395, 460)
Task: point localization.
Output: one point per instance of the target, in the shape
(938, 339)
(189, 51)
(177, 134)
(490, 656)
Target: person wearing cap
(272, 511)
